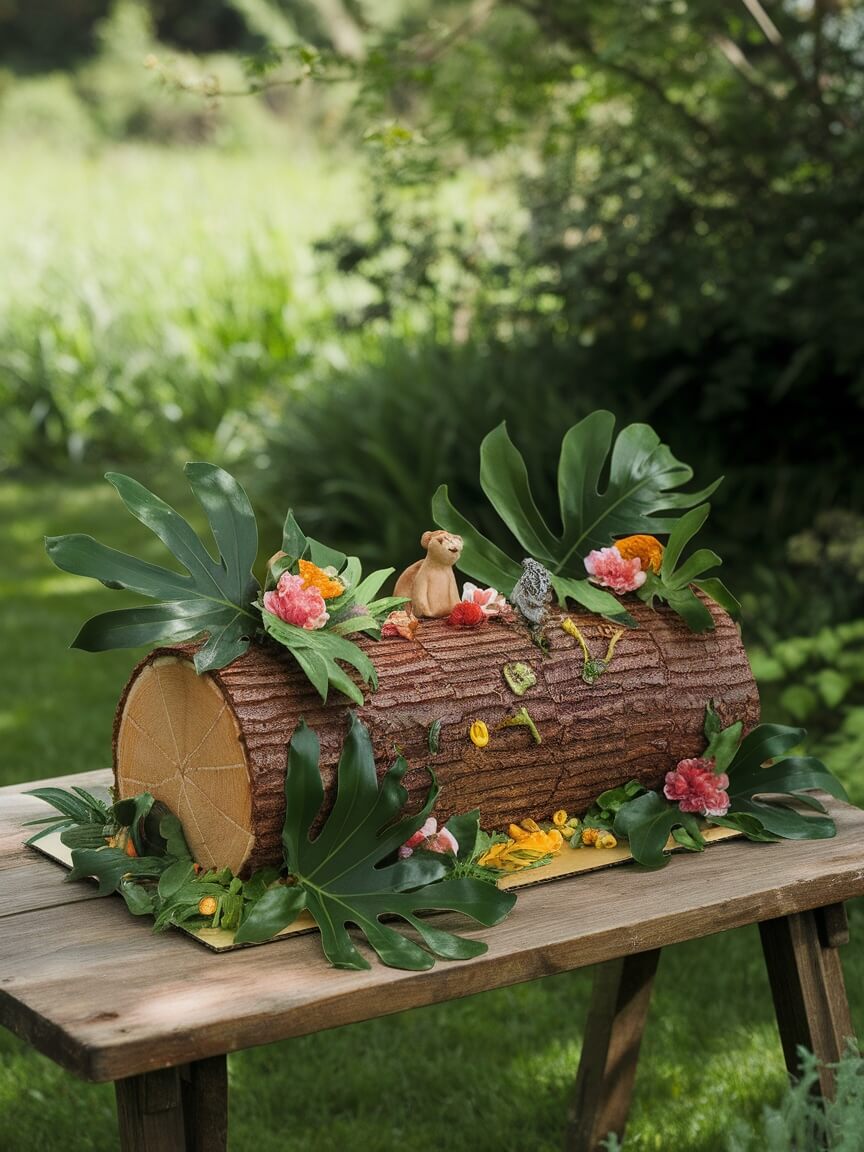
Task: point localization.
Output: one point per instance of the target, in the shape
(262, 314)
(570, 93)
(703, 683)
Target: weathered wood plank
(809, 992)
(205, 1104)
(94, 988)
(175, 1109)
(28, 881)
(150, 1112)
(16, 808)
(35, 883)
(610, 1050)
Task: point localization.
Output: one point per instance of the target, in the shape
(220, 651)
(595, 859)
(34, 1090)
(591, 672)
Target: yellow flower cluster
(527, 844)
(566, 825)
(647, 548)
(315, 577)
(597, 838)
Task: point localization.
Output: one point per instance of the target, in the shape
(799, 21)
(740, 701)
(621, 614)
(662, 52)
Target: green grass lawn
(490, 1071)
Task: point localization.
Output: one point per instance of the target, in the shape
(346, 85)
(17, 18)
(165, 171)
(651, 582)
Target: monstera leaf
(214, 598)
(674, 583)
(769, 786)
(647, 823)
(642, 483)
(347, 874)
(767, 791)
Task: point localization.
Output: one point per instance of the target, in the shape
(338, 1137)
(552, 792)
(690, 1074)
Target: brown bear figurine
(430, 584)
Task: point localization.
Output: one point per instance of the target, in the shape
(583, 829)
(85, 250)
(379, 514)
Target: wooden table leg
(610, 1052)
(806, 975)
(175, 1109)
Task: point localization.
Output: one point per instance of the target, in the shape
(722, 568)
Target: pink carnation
(295, 602)
(696, 787)
(608, 568)
(431, 839)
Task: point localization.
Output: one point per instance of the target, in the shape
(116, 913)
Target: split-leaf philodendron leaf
(214, 597)
(347, 874)
(674, 583)
(640, 496)
(767, 790)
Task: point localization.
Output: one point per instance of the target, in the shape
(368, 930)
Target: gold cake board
(569, 862)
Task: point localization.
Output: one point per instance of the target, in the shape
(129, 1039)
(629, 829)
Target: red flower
(466, 614)
(696, 787)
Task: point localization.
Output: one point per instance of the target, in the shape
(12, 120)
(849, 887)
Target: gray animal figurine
(532, 593)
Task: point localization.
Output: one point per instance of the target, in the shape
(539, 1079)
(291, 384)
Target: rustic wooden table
(94, 989)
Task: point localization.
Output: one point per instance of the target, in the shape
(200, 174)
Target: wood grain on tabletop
(95, 989)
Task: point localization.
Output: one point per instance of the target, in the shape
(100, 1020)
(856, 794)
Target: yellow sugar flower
(597, 838)
(530, 825)
(559, 818)
(521, 850)
(479, 734)
(647, 548)
(315, 577)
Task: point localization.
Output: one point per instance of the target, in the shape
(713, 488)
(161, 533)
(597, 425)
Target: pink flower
(295, 602)
(489, 599)
(431, 839)
(608, 568)
(696, 787)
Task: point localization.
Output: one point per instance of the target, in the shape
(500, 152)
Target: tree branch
(741, 64)
(774, 37)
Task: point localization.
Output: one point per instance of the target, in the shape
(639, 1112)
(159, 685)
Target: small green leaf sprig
(358, 609)
(136, 847)
(674, 583)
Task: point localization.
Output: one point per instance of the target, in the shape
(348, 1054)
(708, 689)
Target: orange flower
(647, 548)
(207, 905)
(315, 577)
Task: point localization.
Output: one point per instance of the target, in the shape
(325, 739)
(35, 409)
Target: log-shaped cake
(213, 747)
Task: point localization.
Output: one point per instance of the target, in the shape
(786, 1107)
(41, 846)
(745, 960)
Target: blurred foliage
(160, 307)
(37, 35)
(120, 89)
(807, 637)
(654, 208)
(803, 1120)
(680, 212)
